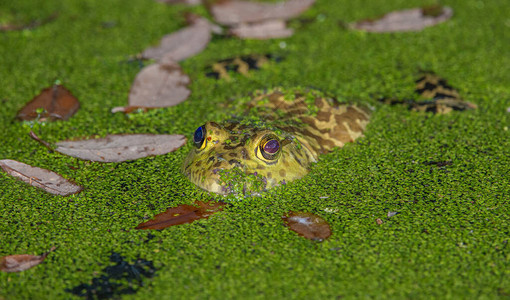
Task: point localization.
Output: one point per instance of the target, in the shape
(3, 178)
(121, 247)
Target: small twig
(40, 141)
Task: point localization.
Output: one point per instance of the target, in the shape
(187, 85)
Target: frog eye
(269, 147)
(199, 137)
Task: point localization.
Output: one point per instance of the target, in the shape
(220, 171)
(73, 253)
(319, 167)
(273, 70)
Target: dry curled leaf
(269, 29)
(118, 148)
(414, 19)
(308, 225)
(53, 103)
(182, 214)
(182, 43)
(45, 179)
(231, 12)
(21, 262)
(158, 85)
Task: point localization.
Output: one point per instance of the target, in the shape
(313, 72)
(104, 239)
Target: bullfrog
(275, 139)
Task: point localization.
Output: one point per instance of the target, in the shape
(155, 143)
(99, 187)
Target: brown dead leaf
(182, 214)
(21, 262)
(47, 180)
(182, 43)
(158, 85)
(308, 225)
(268, 29)
(379, 221)
(414, 19)
(232, 12)
(57, 103)
(119, 148)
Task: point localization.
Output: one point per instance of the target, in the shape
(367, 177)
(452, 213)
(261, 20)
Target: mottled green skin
(306, 125)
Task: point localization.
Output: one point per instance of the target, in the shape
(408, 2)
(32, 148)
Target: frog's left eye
(199, 137)
(269, 147)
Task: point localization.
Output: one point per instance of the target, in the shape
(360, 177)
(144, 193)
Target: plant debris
(182, 214)
(232, 12)
(392, 214)
(269, 29)
(53, 103)
(182, 43)
(308, 225)
(158, 85)
(119, 148)
(111, 283)
(47, 180)
(438, 163)
(41, 141)
(21, 262)
(414, 19)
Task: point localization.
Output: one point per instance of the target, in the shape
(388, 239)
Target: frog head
(235, 157)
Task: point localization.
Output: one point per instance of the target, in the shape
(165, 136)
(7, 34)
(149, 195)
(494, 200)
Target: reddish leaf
(58, 104)
(182, 43)
(308, 225)
(41, 178)
(158, 85)
(118, 148)
(269, 29)
(182, 214)
(231, 12)
(21, 262)
(414, 19)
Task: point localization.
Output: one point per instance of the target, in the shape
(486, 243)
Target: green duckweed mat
(449, 238)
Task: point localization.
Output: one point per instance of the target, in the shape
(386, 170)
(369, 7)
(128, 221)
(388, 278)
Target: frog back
(320, 123)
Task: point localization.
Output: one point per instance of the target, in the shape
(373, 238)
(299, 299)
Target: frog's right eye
(199, 137)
